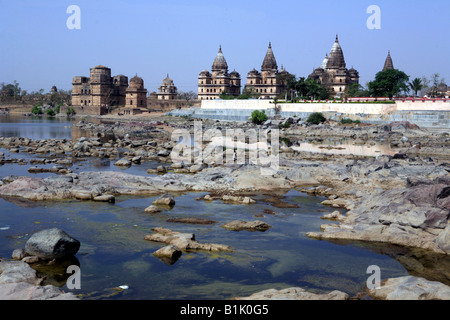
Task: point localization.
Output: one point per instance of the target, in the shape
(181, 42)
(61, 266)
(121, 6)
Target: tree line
(390, 83)
(11, 93)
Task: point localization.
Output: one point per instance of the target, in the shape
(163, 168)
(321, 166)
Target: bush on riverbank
(70, 111)
(259, 117)
(36, 110)
(316, 118)
(349, 121)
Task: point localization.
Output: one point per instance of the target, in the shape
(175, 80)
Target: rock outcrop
(295, 293)
(414, 216)
(410, 288)
(18, 281)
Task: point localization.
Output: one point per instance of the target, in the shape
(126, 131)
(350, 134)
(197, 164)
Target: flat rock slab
(410, 288)
(192, 220)
(27, 291)
(152, 209)
(295, 294)
(238, 225)
(184, 241)
(105, 198)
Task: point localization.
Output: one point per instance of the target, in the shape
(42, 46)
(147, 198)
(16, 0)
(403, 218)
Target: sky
(181, 38)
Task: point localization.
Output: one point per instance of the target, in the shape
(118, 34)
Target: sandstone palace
(99, 92)
(332, 74)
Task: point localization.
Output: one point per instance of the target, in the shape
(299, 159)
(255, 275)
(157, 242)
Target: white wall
(237, 104)
(419, 105)
(346, 108)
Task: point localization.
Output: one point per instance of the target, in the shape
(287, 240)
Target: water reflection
(55, 272)
(40, 127)
(418, 262)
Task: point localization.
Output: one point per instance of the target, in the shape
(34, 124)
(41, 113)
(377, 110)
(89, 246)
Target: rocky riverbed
(401, 198)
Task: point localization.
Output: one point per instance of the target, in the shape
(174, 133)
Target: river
(113, 251)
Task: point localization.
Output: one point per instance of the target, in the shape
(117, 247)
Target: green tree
(356, 90)
(315, 90)
(316, 118)
(416, 85)
(50, 112)
(36, 110)
(249, 93)
(301, 87)
(259, 117)
(389, 83)
(225, 96)
(70, 111)
(436, 81)
(10, 92)
(288, 81)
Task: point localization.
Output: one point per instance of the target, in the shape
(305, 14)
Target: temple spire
(388, 64)
(269, 63)
(336, 58)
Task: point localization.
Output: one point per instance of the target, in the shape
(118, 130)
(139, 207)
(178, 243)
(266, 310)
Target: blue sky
(153, 38)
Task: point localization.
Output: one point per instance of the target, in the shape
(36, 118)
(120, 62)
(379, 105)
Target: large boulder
(52, 244)
(165, 200)
(123, 163)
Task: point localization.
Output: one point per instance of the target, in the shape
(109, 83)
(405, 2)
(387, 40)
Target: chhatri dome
(136, 82)
(220, 64)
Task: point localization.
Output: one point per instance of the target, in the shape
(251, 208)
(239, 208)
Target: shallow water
(114, 252)
(35, 127)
